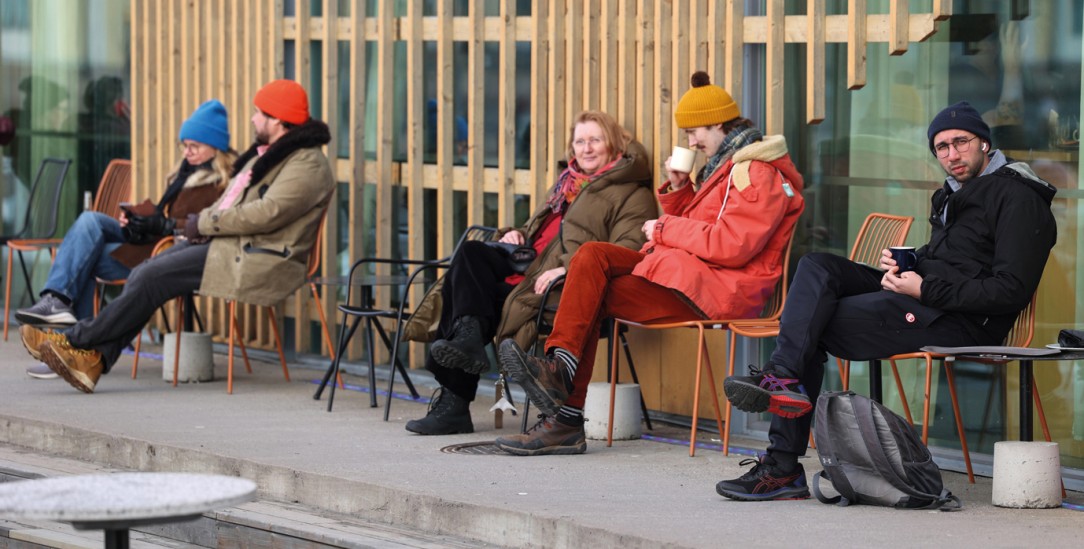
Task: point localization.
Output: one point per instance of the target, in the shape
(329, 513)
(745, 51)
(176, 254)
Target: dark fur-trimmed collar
(313, 133)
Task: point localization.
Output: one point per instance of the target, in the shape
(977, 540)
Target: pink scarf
(571, 182)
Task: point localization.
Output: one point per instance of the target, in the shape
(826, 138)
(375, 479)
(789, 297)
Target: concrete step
(280, 525)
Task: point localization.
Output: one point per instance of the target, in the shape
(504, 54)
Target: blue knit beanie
(207, 125)
(961, 116)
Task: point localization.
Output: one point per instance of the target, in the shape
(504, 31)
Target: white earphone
(984, 147)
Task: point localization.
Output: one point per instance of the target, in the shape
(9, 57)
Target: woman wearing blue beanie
(98, 246)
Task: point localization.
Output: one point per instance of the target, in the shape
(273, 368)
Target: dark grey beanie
(961, 116)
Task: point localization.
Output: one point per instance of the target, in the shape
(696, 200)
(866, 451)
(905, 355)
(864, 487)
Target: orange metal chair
(772, 309)
(878, 232)
(1019, 336)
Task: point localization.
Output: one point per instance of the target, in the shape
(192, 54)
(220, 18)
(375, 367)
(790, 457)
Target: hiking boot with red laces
(33, 337)
(79, 367)
(547, 437)
(763, 392)
(541, 378)
(764, 482)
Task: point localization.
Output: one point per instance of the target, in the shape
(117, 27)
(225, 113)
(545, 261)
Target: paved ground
(635, 494)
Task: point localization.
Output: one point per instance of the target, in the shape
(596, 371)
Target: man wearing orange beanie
(716, 252)
(251, 245)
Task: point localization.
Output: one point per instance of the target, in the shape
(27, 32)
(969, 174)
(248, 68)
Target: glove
(191, 228)
(151, 225)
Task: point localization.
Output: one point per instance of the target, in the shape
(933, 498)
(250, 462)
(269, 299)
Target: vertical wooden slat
(680, 66)
(558, 98)
(663, 76)
(356, 222)
(540, 84)
(506, 121)
(413, 179)
(626, 65)
(591, 65)
(577, 99)
(188, 61)
(646, 91)
(476, 97)
(774, 75)
(445, 128)
(899, 20)
(716, 39)
(814, 62)
(609, 60)
(385, 75)
(735, 48)
(303, 44)
(856, 44)
(698, 43)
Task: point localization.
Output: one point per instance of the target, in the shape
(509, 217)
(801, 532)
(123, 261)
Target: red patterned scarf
(571, 182)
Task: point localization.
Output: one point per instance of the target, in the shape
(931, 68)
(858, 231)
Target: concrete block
(196, 360)
(596, 411)
(1027, 475)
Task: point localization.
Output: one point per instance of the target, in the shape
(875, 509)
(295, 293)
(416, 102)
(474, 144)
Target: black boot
(449, 414)
(465, 350)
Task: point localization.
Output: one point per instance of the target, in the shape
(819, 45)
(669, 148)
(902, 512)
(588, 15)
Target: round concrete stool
(196, 361)
(596, 411)
(1027, 475)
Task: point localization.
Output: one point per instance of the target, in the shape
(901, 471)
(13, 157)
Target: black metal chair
(354, 313)
(39, 225)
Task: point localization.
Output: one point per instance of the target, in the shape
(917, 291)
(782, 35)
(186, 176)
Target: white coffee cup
(681, 160)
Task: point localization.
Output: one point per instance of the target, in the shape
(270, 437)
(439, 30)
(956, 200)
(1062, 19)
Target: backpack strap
(866, 425)
(816, 486)
(826, 450)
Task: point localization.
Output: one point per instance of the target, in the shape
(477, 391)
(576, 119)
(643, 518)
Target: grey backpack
(872, 455)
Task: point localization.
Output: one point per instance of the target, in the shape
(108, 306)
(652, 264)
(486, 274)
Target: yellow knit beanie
(704, 104)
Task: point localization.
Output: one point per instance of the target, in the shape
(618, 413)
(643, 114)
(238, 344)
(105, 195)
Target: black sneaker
(543, 379)
(465, 350)
(449, 414)
(763, 392)
(765, 482)
(48, 310)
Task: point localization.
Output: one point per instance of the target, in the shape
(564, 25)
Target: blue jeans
(83, 256)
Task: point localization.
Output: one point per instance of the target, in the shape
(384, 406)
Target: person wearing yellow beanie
(715, 253)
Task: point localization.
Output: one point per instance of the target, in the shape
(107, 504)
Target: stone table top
(122, 498)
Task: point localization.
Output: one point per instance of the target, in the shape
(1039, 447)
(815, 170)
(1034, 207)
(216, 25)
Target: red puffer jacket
(727, 258)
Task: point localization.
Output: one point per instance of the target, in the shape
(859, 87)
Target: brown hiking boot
(540, 377)
(79, 367)
(33, 337)
(547, 437)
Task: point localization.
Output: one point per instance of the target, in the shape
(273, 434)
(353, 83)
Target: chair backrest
(474, 232)
(1024, 328)
(44, 203)
(773, 308)
(114, 188)
(879, 231)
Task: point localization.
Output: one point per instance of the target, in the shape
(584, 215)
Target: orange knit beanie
(705, 104)
(285, 100)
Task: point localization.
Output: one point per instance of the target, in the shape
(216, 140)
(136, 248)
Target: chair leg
(369, 344)
(177, 342)
(240, 338)
(903, 394)
(135, 359)
(696, 391)
(229, 361)
(278, 342)
(7, 294)
(714, 389)
(959, 422)
(397, 363)
(636, 380)
(615, 360)
(344, 340)
(729, 409)
(926, 398)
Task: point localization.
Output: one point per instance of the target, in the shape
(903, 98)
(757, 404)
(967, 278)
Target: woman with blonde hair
(99, 246)
(603, 194)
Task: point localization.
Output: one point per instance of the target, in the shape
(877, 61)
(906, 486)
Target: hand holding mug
(904, 258)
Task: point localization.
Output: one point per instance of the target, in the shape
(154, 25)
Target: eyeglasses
(961, 144)
(594, 141)
(194, 146)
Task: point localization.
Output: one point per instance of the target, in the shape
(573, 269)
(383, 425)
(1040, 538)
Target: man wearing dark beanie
(251, 245)
(969, 283)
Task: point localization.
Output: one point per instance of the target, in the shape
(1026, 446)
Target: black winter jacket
(985, 261)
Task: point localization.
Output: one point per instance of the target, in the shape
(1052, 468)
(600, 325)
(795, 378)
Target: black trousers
(473, 286)
(837, 306)
(175, 272)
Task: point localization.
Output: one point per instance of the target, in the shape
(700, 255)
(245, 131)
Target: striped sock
(569, 361)
(569, 415)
